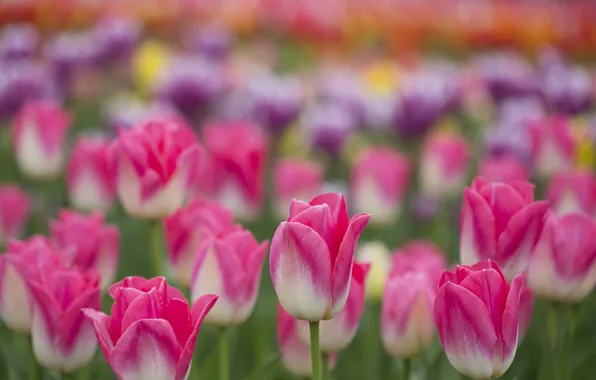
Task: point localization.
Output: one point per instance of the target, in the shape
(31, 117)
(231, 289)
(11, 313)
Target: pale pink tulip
(553, 146)
(14, 212)
(573, 191)
(295, 179)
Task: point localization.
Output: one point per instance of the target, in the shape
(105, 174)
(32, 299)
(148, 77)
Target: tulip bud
(89, 175)
(38, 138)
(152, 331)
(477, 316)
(312, 254)
(500, 222)
(505, 168)
(296, 179)
(573, 191)
(563, 264)
(328, 126)
(553, 146)
(376, 253)
(14, 212)
(507, 76)
(379, 182)
(18, 42)
(419, 257)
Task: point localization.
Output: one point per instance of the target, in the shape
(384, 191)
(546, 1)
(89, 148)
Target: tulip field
(248, 190)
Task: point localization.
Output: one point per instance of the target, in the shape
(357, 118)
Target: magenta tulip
(14, 212)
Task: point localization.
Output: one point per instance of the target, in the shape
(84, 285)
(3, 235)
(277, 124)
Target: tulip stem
(34, 370)
(325, 366)
(155, 236)
(406, 369)
(315, 351)
(224, 368)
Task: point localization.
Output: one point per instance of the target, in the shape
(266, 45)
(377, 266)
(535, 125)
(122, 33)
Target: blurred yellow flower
(585, 145)
(379, 256)
(382, 77)
(293, 142)
(148, 62)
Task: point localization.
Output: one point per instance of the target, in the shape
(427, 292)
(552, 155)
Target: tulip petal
(319, 219)
(511, 319)
(477, 232)
(177, 313)
(101, 324)
(296, 207)
(145, 306)
(525, 190)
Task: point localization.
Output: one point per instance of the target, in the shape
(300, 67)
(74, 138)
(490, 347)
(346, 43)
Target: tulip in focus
(506, 168)
(90, 176)
(419, 257)
(296, 179)
(573, 191)
(379, 182)
(14, 212)
(38, 139)
(563, 265)
(229, 266)
(155, 163)
(553, 146)
(378, 255)
(500, 222)
(312, 255)
(477, 316)
(152, 331)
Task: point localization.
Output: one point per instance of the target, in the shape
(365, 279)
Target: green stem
(315, 351)
(325, 366)
(224, 368)
(406, 369)
(34, 370)
(560, 324)
(157, 251)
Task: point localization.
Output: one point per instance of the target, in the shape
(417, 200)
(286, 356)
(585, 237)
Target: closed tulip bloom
(152, 331)
(379, 182)
(295, 179)
(90, 176)
(477, 316)
(553, 146)
(62, 337)
(378, 255)
(38, 139)
(88, 243)
(229, 266)
(563, 265)
(188, 228)
(573, 191)
(312, 254)
(328, 126)
(155, 163)
(506, 168)
(500, 222)
(419, 257)
(407, 321)
(14, 212)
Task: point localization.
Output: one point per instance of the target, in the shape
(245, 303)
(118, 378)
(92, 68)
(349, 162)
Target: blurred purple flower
(379, 110)
(328, 125)
(508, 138)
(18, 42)
(211, 42)
(520, 111)
(115, 39)
(345, 88)
(567, 89)
(506, 75)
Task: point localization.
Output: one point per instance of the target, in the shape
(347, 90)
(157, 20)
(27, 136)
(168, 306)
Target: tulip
(212, 42)
(444, 165)
(88, 243)
(507, 76)
(573, 191)
(567, 89)
(500, 222)
(186, 231)
(507, 168)
(343, 87)
(477, 316)
(376, 253)
(152, 331)
(116, 39)
(563, 264)
(553, 146)
(14, 212)
(379, 182)
(328, 125)
(295, 179)
(89, 175)
(311, 257)
(407, 321)
(155, 163)
(18, 42)
(419, 257)
(229, 266)
(38, 139)
(238, 153)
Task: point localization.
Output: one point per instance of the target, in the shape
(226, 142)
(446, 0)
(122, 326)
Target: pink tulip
(312, 254)
(563, 265)
(407, 321)
(379, 182)
(38, 139)
(573, 191)
(89, 175)
(152, 331)
(500, 222)
(88, 243)
(14, 212)
(503, 169)
(553, 146)
(62, 338)
(238, 154)
(229, 266)
(336, 334)
(296, 179)
(155, 163)
(419, 257)
(23, 260)
(444, 165)
(477, 315)
(186, 231)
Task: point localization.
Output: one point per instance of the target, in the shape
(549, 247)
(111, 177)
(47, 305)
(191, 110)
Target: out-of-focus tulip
(344, 88)
(573, 191)
(229, 266)
(553, 146)
(212, 42)
(62, 338)
(379, 182)
(477, 316)
(23, 260)
(419, 257)
(88, 243)
(38, 139)
(187, 229)
(18, 42)
(295, 179)
(14, 212)
(238, 154)
(507, 76)
(506, 168)
(501, 222)
(336, 334)
(328, 125)
(115, 39)
(126, 111)
(444, 165)
(90, 175)
(563, 265)
(567, 89)
(155, 163)
(152, 331)
(312, 254)
(378, 255)
(504, 139)
(407, 322)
